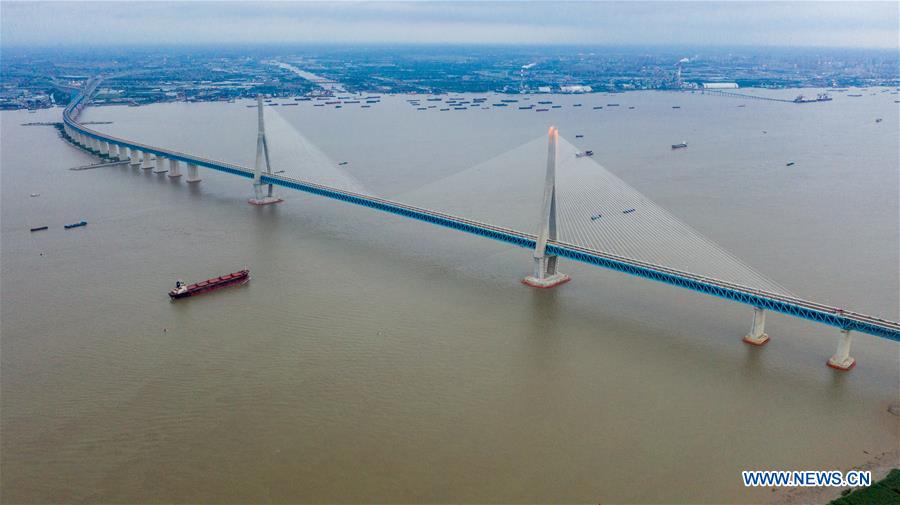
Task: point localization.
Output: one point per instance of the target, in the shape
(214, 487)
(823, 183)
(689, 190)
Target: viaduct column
(160, 165)
(545, 274)
(842, 360)
(135, 157)
(757, 335)
(147, 163)
(104, 148)
(193, 176)
(174, 168)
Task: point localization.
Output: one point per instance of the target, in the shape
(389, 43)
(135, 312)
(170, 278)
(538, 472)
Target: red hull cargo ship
(183, 290)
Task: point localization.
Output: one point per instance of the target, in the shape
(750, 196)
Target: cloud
(835, 24)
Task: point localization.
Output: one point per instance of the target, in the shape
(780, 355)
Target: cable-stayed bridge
(656, 247)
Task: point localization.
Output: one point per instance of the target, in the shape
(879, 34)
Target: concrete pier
(545, 274)
(842, 360)
(114, 152)
(135, 157)
(104, 148)
(757, 335)
(96, 148)
(160, 165)
(147, 162)
(174, 168)
(192, 175)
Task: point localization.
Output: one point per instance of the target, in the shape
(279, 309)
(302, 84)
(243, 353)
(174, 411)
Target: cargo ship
(183, 290)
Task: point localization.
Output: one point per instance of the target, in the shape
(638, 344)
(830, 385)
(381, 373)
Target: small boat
(596, 217)
(676, 106)
(576, 105)
(584, 154)
(628, 211)
(789, 164)
(372, 101)
(509, 101)
(351, 101)
(75, 225)
(433, 99)
(679, 146)
(741, 105)
(318, 105)
(442, 110)
(556, 106)
(541, 110)
(629, 108)
(612, 105)
(39, 228)
(579, 136)
(545, 102)
(342, 163)
(422, 108)
(33, 195)
(524, 107)
(499, 104)
(598, 107)
(366, 106)
(878, 120)
(854, 96)
(183, 290)
(338, 106)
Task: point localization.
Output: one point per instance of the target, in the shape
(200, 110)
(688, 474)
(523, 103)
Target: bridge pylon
(545, 274)
(262, 154)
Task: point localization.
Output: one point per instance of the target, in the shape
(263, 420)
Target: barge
(183, 290)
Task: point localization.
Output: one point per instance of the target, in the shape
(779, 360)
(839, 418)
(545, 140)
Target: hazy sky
(798, 23)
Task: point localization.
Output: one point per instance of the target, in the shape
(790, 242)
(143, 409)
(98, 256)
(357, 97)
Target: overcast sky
(831, 24)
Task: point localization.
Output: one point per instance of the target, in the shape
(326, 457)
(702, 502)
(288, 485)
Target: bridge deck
(797, 307)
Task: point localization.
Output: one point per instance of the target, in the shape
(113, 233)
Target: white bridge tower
(545, 274)
(262, 153)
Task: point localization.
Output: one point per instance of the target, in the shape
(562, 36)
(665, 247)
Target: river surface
(378, 359)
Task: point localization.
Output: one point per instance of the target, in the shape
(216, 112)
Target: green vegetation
(883, 492)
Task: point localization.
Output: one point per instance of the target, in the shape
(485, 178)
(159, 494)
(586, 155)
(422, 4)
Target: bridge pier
(147, 162)
(104, 149)
(545, 274)
(842, 360)
(192, 175)
(114, 153)
(160, 165)
(757, 335)
(95, 146)
(135, 158)
(262, 152)
(174, 168)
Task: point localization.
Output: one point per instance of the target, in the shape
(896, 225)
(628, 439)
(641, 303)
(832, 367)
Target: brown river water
(377, 359)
